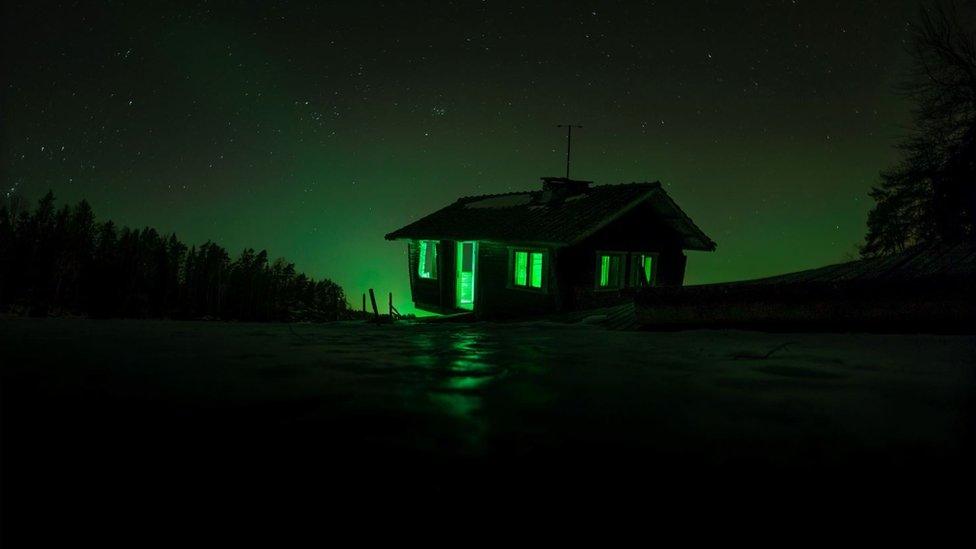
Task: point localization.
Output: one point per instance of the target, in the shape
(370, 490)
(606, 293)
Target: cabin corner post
(447, 288)
(681, 263)
(411, 273)
(671, 271)
(561, 301)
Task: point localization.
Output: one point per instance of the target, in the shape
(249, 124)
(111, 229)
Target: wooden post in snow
(364, 302)
(372, 299)
(391, 305)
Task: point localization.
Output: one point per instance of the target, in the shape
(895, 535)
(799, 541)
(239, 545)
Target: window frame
(510, 273)
(634, 273)
(435, 273)
(621, 274)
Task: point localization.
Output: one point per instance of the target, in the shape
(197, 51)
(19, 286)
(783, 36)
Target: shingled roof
(534, 216)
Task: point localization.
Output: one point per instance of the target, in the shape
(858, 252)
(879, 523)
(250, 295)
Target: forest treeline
(64, 262)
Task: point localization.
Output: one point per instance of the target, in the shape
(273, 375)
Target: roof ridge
(603, 185)
(493, 195)
(687, 217)
(631, 184)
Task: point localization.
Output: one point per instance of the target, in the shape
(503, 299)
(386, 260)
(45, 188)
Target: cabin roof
(536, 217)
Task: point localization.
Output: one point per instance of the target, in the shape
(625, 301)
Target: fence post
(372, 299)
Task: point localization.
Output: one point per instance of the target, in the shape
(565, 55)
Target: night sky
(312, 129)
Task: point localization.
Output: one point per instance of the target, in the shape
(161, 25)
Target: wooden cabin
(570, 245)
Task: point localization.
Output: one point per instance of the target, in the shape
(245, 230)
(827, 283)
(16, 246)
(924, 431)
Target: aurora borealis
(312, 129)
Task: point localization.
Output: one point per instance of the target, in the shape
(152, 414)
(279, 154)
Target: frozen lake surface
(97, 412)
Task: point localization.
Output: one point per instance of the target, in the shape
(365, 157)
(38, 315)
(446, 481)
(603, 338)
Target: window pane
(427, 259)
(536, 278)
(615, 271)
(467, 266)
(467, 256)
(432, 261)
(422, 261)
(604, 271)
(521, 264)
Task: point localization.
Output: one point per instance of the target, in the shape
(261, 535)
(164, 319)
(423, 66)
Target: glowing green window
(521, 261)
(642, 266)
(535, 268)
(527, 269)
(609, 265)
(647, 263)
(467, 258)
(427, 260)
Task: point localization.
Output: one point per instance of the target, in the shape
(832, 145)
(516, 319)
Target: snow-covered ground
(703, 418)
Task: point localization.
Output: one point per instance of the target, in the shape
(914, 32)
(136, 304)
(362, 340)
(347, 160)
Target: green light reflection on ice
(458, 367)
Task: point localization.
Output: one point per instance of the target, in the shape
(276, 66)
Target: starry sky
(311, 129)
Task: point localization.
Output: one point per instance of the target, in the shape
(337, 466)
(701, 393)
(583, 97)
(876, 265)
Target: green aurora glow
(313, 132)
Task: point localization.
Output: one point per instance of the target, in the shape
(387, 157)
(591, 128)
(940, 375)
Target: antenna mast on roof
(569, 142)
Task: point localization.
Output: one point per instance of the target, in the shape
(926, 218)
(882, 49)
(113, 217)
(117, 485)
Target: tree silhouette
(930, 195)
(61, 261)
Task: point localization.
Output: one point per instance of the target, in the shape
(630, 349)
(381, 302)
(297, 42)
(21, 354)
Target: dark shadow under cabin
(568, 246)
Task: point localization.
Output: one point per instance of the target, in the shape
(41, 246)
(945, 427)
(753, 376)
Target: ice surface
(566, 409)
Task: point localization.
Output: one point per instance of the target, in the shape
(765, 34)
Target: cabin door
(467, 259)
